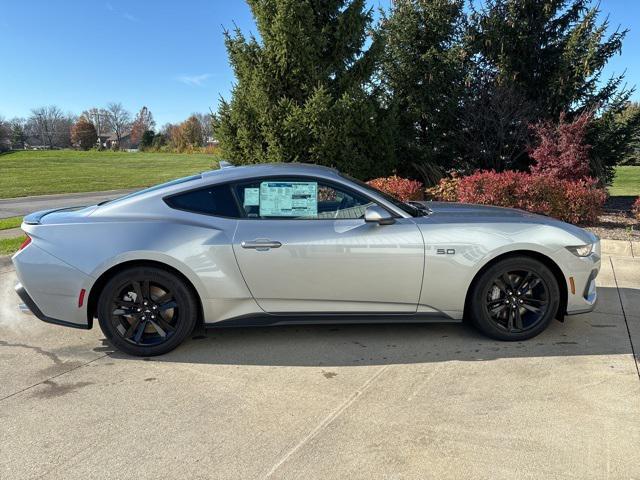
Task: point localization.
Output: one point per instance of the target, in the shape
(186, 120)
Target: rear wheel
(515, 299)
(146, 311)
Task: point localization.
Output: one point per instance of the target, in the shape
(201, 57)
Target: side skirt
(267, 320)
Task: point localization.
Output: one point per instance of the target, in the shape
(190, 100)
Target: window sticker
(251, 197)
(289, 199)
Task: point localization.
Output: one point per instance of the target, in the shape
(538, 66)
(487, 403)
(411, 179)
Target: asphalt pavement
(13, 207)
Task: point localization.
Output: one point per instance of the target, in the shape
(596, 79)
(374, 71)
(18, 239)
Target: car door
(303, 246)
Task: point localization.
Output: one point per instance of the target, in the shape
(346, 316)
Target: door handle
(260, 244)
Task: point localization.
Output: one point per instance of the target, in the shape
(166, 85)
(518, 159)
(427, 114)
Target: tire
(152, 328)
(514, 299)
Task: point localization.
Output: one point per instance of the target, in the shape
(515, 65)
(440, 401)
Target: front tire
(146, 311)
(514, 299)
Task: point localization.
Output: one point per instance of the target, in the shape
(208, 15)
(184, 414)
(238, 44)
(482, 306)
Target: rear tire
(514, 299)
(146, 311)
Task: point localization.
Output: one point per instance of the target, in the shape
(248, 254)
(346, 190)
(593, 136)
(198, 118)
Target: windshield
(155, 187)
(405, 207)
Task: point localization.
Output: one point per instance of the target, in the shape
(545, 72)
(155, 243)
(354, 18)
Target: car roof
(268, 169)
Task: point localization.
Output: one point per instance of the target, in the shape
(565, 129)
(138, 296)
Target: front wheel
(514, 299)
(146, 311)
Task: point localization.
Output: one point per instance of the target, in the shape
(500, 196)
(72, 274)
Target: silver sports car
(293, 243)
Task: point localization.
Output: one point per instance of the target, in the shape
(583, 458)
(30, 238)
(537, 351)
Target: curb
(620, 248)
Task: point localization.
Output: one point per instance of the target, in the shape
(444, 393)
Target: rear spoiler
(35, 217)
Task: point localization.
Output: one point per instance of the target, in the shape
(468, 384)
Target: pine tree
(304, 91)
(629, 118)
(553, 50)
(553, 53)
(18, 133)
(423, 70)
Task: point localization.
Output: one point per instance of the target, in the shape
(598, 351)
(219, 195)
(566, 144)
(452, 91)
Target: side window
(305, 199)
(216, 200)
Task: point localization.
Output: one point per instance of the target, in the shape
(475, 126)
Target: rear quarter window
(215, 200)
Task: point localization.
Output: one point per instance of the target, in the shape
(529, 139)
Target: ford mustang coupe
(294, 243)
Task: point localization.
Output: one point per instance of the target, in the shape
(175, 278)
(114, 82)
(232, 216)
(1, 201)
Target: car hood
(449, 212)
(460, 209)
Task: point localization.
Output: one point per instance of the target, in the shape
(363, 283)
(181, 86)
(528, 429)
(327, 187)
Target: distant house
(126, 142)
(102, 139)
(211, 142)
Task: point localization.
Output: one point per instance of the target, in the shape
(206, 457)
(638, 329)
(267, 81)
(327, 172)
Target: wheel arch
(96, 288)
(542, 258)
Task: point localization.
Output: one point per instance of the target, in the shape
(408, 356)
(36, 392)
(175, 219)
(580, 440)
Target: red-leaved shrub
(574, 201)
(561, 149)
(402, 188)
(635, 209)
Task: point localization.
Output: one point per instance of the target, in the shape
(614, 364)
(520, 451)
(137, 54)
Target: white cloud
(129, 17)
(194, 80)
(109, 6)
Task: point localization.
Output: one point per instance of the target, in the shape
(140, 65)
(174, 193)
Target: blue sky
(167, 55)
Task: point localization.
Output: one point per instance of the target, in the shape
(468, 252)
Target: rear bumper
(30, 307)
(50, 288)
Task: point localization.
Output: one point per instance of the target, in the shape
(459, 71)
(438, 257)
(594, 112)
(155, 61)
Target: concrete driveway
(391, 402)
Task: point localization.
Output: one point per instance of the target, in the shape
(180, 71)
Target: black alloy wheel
(514, 299)
(517, 301)
(146, 311)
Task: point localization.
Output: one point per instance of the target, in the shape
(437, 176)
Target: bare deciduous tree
(46, 123)
(206, 125)
(493, 129)
(119, 120)
(99, 117)
(144, 121)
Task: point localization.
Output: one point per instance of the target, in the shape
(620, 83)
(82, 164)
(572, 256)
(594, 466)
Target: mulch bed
(617, 223)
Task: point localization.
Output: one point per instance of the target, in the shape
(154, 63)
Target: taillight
(26, 242)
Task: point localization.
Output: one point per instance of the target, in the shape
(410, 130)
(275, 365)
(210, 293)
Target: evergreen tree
(18, 133)
(304, 91)
(615, 137)
(147, 139)
(553, 50)
(553, 53)
(423, 70)
(629, 119)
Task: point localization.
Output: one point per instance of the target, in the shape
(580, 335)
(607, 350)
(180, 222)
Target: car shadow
(602, 332)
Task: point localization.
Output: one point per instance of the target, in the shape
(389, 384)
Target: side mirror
(376, 214)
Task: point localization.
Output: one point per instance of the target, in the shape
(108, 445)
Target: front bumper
(582, 271)
(29, 307)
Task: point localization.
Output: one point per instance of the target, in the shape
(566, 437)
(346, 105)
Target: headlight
(581, 250)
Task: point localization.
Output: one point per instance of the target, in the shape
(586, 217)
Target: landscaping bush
(561, 148)
(446, 190)
(636, 208)
(574, 201)
(402, 188)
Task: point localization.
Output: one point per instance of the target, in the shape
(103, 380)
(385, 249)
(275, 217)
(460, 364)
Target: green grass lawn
(27, 173)
(8, 246)
(11, 222)
(626, 182)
